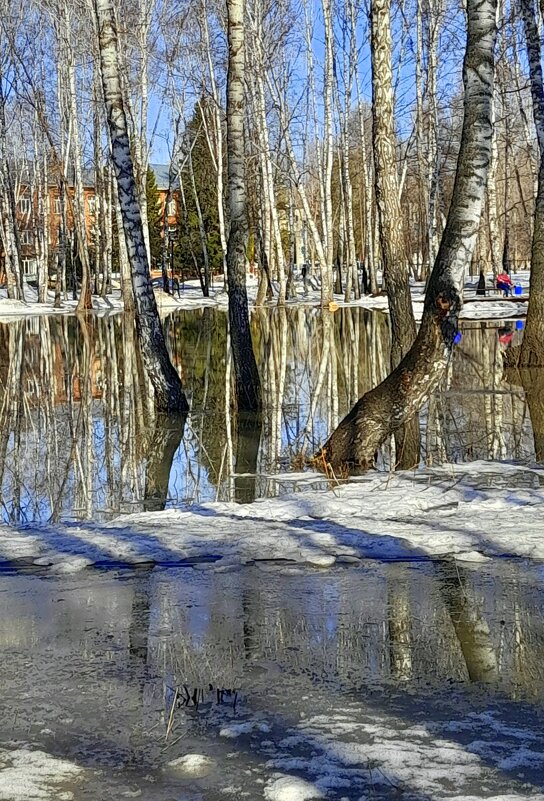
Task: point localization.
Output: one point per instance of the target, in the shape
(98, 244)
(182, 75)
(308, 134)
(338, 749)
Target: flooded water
(386, 681)
(270, 681)
(79, 438)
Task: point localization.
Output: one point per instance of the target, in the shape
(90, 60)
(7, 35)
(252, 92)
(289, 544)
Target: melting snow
(425, 514)
(27, 775)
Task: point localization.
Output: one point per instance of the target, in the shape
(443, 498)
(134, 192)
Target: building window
(25, 204)
(26, 237)
(172, 207)
(29, 266)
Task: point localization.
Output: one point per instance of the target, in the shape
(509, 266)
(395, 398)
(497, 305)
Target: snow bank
(290, 788)
(470, 511)
(28, 775)
(362, 749)
(195, 765)
(11, 309)
(190, 297)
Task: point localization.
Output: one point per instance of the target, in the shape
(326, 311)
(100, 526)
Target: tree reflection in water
(79, 437)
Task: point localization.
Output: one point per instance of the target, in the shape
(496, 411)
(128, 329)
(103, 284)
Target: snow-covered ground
(472, 511)
(191, 297)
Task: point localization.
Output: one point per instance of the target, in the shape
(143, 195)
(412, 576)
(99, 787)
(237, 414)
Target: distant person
(480, 289)
(506, 336)
(175, 286)
(304, 273)
(504, 283)
(364, 276)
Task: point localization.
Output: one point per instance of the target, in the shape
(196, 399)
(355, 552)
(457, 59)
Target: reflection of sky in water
(42, 471)
(90, 662)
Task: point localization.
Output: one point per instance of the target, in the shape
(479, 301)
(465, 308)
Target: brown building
(30, 221)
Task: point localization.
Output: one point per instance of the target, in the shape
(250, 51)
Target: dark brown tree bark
(166, 440)
(532, 348)
(383, 410)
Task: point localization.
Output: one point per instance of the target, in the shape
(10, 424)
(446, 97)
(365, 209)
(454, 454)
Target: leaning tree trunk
(245, 366)
(395, 269)
(169, 395)
(396, 400)
(532, 349)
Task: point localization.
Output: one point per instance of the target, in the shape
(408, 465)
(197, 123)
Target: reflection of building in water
(81, 392)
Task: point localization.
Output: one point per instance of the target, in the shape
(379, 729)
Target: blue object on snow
(518, 289)
(457, 338)
(519, 325)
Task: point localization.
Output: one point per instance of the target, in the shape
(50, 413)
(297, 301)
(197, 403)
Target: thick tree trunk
(395, 268)
(396, 400)
(169, 395)
(245, 366)
(532, 348)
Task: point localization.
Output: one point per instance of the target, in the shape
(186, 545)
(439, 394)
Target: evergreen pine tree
(190, 246)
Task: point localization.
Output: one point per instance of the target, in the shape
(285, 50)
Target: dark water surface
(79, 438)
(387, 681)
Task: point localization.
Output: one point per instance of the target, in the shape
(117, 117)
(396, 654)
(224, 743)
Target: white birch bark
(245, 366)
(352, 278)
(387, 407)
(169, 395)
(326, 269)
(8, 212)
(311, 106)
(369, 226)
(267, 171)
(66, 52)
(434, 22)
(218, 139)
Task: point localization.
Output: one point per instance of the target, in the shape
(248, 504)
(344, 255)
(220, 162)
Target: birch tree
(328, 154)
(532, 349)
(9, 232)
(352, 446)
(395, 268)
(169, 395)
(63, 23)
(245, 365)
